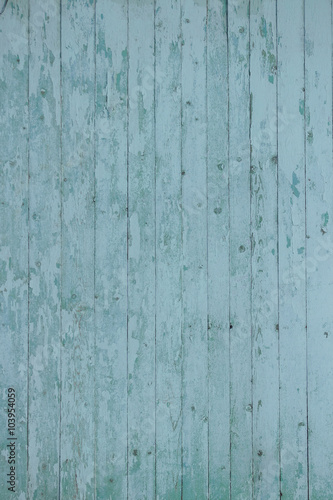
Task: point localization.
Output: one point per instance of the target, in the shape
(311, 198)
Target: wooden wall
(166, 286)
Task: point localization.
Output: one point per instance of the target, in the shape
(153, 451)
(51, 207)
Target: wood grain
(264, 232)
(166, 253)
(318, 147)
(168, 250)
(111, 250)
(240, 252)
(291, 117)
(44, 250)
(78, 259)
(14, 259)
(141, 252)
(218, 251)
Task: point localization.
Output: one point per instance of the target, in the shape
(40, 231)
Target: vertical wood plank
(218, 250)
(141, 253)
(319, 248)
(168, 250)
(14, 236)
(77, 398)
(265, 335)
(240, 251)
(194, 191)
(44, 249)
(292, 243)
(111, 249)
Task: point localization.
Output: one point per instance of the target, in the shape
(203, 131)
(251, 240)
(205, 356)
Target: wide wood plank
(195, 413)
(44, 250)
(141, 252)
(319, 249)
(264, 227)
(292, 244)
(218, 250)
(240, 251)
(14, 213)
(168, 250)
(111, 249)
(77, 359)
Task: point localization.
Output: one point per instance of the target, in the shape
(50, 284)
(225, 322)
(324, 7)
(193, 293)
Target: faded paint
(166, 256)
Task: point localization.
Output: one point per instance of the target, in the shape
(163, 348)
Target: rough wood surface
(166, 204)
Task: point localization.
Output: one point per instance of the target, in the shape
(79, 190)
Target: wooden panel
(168, 250)
(194, 275)
(240, 251)
(14, 214)
(292, 244)
(218, 250)
(264, 228)
(44, 250)
(141, 253)
(77, 360)
(319, 213)
(166, 256)
(111, 249)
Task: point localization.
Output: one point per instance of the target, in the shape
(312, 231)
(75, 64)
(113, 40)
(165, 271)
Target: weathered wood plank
(194, 277)
(319, 249)
(77, 360)
(168, 249)
(240, 250)
(292, 243)
(265, 336)
(14, 210)
(44, 249)
(218, 250)
(141, 253)
(111, 249)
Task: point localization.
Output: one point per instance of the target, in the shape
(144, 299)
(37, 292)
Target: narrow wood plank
(111, 249)
(77, 397)
(44, 250)
(319, 248)
(292, 243)
(141, 253)
(14, 209)
(218, 250)
(240, 250)
(168, 250)
(265, 336)
(194, 190)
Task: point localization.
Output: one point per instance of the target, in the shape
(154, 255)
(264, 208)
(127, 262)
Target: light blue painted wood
(319, 212)
(218, 251)
(194, 276)
(44, 250)
(111, 250)
(168, 251)
(77, 359)
(292, 244)
(14, 257)
(240, 251)
(264, 228)
(141, 252)
(166, 258)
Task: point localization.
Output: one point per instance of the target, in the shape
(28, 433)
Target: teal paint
(168, 223)
(218, 252)
(238, 266)
(165, 260)
(264, 265)
(44, 255)
(318, 95)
